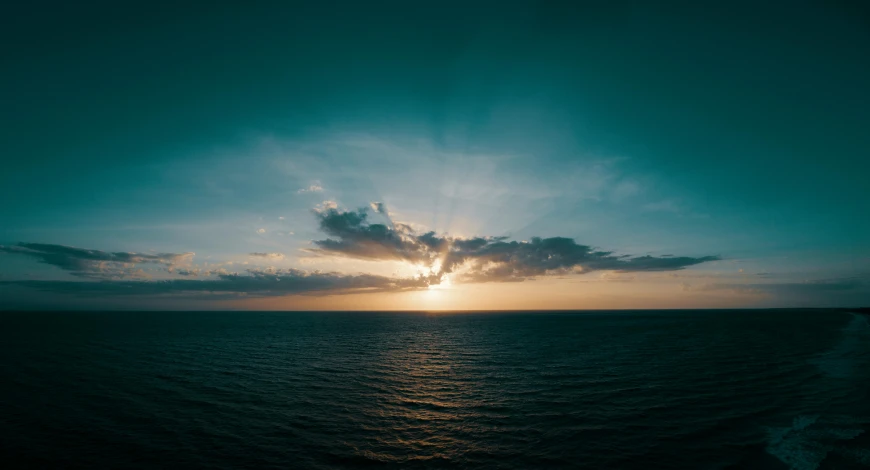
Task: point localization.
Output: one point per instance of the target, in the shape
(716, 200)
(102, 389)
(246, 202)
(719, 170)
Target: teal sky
(728, 136)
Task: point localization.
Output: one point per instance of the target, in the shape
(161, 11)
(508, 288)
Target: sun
(438, 296)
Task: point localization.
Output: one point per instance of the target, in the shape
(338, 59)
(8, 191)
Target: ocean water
(665, 389)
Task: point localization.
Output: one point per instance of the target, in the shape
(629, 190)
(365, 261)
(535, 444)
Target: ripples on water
(783, 389)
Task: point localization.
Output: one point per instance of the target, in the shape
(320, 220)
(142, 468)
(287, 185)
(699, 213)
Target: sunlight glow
(445, 283)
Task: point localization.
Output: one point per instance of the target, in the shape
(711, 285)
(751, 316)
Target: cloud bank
(260, 283)
(349, 234)
(791, 289)
(477, 259)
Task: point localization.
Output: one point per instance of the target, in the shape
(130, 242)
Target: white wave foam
(840, 361)
(806, 443)
(789, 446)
(861, 456)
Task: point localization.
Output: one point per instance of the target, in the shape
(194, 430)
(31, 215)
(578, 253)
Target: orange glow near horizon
(576, 293)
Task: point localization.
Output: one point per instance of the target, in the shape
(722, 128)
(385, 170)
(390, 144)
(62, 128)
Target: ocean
(772, 389)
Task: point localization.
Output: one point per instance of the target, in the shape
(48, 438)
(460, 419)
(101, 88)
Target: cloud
(477, 259)
(270, 256)
(379, 207)
(350, 234)
(195, 272)
(848, 291)
(615, 277)
(624, 190)
(325, 206)
(313, 188)
(262, 283)
(94, 263)
(805, 288)
(357, 238)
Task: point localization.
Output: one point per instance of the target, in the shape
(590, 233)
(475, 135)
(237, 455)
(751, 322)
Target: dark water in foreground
(767, 389)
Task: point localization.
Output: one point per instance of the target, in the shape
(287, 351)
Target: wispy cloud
(809, 287)
(94, 263)
(251, 283)
(269, 256)
(616, 277)
(314, 187)
(663, 206)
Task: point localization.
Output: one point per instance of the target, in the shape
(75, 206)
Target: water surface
(665, 389)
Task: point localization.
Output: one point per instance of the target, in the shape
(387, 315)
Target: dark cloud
(271, 282)
(511, 260)
(195, 272)
(93, 263)
(356, 237)
(481, 258)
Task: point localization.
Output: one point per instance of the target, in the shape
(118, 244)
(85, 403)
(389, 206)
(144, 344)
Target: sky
(434, 155)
